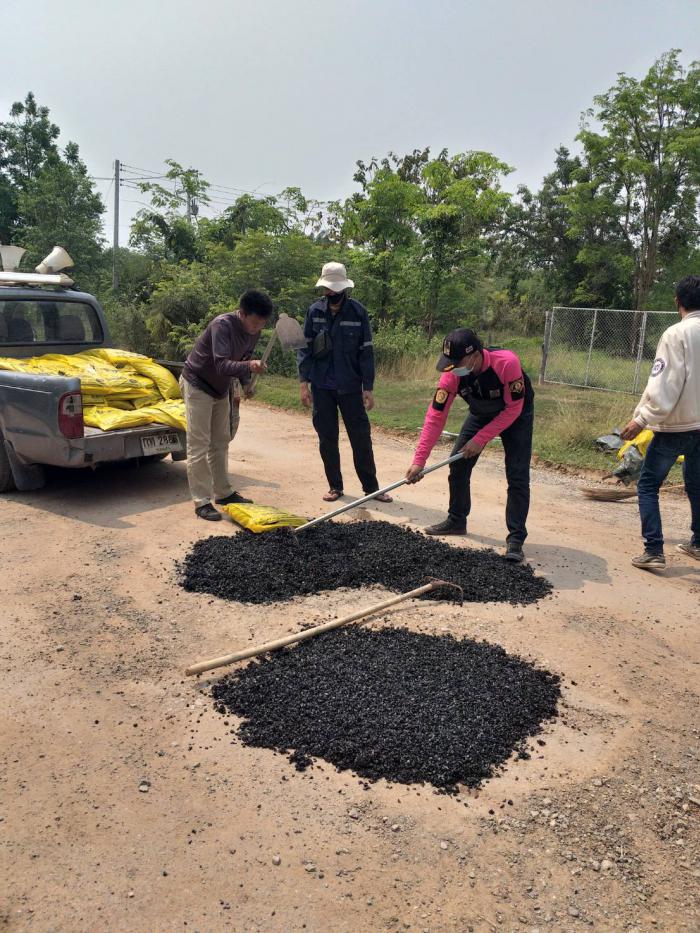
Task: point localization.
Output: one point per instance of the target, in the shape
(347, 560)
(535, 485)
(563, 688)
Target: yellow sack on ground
(259, 518)
(641, 442)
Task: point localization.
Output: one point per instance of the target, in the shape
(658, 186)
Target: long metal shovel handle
(378, 492)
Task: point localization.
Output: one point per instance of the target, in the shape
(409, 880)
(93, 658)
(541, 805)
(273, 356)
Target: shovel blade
(290, 334)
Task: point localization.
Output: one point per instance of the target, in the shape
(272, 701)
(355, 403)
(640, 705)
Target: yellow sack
(96, 377)
(113, 384)
(154, 398)
(144, 366)
(166, 411)
(104, 401)
(107, 418)
(641, 442)
(259, 518)
(110, 419)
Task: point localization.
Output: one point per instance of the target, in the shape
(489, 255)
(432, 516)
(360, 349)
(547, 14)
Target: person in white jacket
(670, 407)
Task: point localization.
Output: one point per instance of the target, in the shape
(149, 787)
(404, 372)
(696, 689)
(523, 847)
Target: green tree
(246, 215)
(381, 218)
(167, 229)
(535, 234)
(463, 203)
(59, 205)
(27, 139)
(642, 172)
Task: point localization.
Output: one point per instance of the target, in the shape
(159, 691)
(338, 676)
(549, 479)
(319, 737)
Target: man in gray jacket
(670, 407)
(222, 353)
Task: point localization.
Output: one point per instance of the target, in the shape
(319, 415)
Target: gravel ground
(278, 565)
(126, 804)
(393, 704)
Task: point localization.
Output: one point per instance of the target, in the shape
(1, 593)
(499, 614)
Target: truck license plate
(159, 444)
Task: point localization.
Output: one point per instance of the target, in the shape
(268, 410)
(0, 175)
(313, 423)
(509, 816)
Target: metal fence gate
(601, 348)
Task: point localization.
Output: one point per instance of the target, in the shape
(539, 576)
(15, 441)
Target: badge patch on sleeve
(517, 388)
(440, 399)
(658, 367)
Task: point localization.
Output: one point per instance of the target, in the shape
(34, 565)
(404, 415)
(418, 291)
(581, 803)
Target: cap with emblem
(458, 344)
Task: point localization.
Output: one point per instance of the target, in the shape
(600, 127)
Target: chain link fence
(601, 348)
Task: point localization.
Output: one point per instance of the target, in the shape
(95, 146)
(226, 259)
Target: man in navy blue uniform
(336, 372)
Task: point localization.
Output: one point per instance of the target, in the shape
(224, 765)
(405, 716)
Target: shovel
(291, 337)
(373, 495)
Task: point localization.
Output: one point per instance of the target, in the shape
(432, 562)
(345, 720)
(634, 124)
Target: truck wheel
(6, 480)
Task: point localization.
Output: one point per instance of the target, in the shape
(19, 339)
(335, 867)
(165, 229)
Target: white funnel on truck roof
(10, 257)
(57, 259)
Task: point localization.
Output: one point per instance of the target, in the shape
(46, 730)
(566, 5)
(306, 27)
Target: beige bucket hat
(334, 276)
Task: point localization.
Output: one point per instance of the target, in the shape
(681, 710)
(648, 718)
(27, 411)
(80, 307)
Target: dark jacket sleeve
(367, 354)
(304, 357)
(223, 349)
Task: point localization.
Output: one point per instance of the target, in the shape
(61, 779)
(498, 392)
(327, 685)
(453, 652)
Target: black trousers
(517, 445)
(327, 403)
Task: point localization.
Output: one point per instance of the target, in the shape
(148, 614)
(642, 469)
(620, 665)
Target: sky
(264, 94)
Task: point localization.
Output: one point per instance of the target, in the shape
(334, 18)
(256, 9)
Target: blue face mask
(461, 371)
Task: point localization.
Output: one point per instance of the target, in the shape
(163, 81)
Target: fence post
(590, 346)
(549, 315)
(640, 351)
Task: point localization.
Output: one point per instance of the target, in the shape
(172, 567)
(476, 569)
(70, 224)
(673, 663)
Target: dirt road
(127, 804)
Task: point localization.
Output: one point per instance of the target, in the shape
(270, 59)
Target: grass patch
(567, 420)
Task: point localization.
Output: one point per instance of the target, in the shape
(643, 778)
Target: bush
(394, 342)
(127, 325)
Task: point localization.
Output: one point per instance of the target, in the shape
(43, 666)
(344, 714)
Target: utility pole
(189, 208)
(115, 238)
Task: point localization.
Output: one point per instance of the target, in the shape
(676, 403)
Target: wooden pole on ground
(225, 659)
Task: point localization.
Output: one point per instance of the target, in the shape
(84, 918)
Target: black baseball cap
(458, 344)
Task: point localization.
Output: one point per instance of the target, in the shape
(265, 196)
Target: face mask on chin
(461, 371)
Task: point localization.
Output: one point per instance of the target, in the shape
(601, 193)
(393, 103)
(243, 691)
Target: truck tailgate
(125, 443)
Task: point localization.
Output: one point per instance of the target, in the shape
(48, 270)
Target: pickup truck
(41, 417)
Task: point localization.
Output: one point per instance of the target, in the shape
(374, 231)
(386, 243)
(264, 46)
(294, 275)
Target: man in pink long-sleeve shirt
(500, 400)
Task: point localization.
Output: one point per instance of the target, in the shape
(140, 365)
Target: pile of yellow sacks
(120, 389)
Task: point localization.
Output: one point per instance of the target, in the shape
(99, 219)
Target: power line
(136, 168)
(152, 174)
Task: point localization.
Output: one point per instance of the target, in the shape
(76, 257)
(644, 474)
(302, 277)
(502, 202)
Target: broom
(612, 494)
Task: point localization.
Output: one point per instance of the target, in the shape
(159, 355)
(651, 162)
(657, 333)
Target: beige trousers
(210, 429)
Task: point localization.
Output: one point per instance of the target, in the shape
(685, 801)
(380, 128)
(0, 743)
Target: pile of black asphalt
(395, 704)
(277, 565)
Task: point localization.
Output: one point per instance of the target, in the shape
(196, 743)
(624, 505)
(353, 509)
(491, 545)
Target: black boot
(514, 552)
(233, 497)
(448, 527)
(208, 512)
